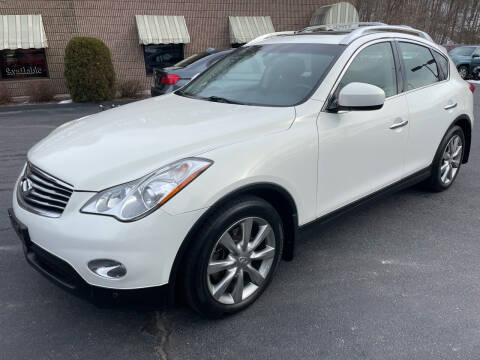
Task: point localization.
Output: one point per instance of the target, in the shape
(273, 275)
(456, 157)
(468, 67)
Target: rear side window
(191, 59)
(374, 65)
(420, 66)
(442, 63)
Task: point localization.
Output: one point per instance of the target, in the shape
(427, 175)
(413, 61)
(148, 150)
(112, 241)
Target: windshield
(267, 75)
(463, 51)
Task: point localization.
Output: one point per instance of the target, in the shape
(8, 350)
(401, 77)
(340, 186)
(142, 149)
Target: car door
(430, 102)
(362, 151)
(475, 64)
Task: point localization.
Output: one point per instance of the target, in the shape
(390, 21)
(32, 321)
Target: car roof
(304, 38)
(344, 34)
(343, 38)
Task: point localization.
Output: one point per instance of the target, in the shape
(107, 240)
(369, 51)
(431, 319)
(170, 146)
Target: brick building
(197, 24)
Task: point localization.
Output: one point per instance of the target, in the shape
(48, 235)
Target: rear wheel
(463, 71)
(232, 261)
(447, 160)
(476, 73)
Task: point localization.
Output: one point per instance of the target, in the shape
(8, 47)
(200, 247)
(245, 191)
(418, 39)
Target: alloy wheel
(241, 260)
(452, 157)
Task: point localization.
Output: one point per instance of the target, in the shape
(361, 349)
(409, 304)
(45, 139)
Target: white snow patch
(9, 248)
(399, 263)
(68, 101)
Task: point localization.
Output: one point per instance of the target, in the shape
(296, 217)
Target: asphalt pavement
(397, 279)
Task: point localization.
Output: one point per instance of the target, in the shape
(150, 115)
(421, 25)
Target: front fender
(287, 159)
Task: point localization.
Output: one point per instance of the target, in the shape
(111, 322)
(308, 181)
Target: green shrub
(42, 91)
(129, 88)
(5, 96)
(89, 70)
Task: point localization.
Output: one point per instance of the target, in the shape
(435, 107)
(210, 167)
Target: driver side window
(374, 65)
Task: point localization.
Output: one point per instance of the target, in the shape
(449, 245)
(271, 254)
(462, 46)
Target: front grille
(42, 193)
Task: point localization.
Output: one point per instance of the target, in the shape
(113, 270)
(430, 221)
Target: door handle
(399, 125)
(451, 106)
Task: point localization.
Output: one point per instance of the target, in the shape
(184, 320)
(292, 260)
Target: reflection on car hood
(125, 143)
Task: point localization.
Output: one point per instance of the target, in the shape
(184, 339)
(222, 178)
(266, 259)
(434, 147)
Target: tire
(201, 277)
(437, 181)
(476, 73)
(463, 71)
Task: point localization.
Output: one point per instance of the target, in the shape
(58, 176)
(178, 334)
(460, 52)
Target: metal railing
(341, 27)
(355, 34)
(358, 29)
(352, 30)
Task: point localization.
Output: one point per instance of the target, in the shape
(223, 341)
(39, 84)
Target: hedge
(89, 70)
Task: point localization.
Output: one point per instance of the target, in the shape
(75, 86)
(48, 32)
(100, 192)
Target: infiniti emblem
(26, 185)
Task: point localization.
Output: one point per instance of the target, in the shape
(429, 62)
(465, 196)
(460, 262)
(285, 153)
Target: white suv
(204, 189)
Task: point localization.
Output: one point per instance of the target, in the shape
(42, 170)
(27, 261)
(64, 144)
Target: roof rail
(362, 31)
(358, 29)
(349, 26)
(270, 35)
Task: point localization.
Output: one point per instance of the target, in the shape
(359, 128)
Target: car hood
(128, 142)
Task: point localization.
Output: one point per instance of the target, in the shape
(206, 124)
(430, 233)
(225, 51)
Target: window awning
(246, 28)
(22, 32)
(159, 29)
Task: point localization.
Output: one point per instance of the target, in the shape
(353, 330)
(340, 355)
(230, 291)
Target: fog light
(106, 268)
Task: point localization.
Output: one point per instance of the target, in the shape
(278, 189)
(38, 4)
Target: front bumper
(61, 248)
(62, 274)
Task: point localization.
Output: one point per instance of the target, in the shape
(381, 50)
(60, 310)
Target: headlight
(136, 199)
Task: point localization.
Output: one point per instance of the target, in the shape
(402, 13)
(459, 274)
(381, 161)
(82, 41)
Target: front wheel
(448, 160)
(233, 258)
(463, 71)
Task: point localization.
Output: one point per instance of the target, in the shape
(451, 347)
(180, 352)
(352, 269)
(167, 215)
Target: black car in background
(174, 77)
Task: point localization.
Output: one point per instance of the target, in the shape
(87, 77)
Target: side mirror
(360, 97)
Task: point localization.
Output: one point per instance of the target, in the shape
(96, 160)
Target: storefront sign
(23, 64)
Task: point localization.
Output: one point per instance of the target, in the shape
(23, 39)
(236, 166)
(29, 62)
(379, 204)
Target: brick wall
(113, 21)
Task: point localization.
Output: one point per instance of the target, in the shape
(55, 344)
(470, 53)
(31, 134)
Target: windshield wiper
(221, 100)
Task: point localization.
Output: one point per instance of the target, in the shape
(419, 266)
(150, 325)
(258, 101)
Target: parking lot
(397, 279)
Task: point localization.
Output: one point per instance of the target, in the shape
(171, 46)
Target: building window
(23, 64)
(162, 55)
